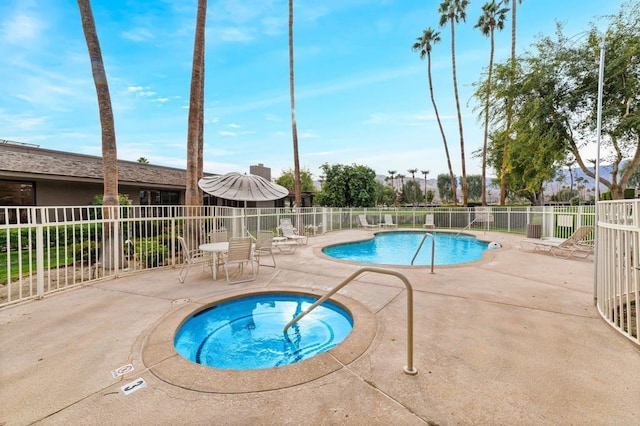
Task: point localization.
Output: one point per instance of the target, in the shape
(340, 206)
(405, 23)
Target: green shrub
(153, 256)
(629, 193)
(85, 252)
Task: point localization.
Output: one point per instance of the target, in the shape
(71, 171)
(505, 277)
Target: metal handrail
(433, 248)
(468, 226)
(408, 369)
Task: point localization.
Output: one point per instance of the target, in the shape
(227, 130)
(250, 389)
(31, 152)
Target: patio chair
(264, 246)
(574, 246)
(190, 258)
(291, 233)
(240, 253)
(428, 221)
(364, 223)
(388, 222)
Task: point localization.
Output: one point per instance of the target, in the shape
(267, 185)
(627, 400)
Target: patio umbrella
(242, 187)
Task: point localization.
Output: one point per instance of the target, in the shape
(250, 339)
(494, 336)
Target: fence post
(39, 260)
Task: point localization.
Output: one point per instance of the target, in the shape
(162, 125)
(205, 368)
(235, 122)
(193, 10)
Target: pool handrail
(409, 368)
(433, 248)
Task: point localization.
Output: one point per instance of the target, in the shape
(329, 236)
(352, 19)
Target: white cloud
(138, 35)
(234, 34)
(227, 133)
(22, 28)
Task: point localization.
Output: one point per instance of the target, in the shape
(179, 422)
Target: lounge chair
(428, 221)
(484, 216)
(576, 245)
(240, 253)
(388, 222)
(189, 258)
(291, 233)
(364, 223)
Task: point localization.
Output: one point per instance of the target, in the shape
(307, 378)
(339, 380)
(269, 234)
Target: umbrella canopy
(239, 187)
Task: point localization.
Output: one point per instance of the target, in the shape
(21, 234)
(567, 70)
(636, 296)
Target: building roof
(31, 162)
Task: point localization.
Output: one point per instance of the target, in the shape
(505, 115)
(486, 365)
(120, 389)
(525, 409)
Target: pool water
(398, 248)
(247, 333)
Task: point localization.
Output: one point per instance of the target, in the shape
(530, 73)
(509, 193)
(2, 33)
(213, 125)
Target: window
(152, 197)
(14, 193)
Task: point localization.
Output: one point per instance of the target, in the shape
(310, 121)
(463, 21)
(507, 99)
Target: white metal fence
(618, 265)
(48, 249)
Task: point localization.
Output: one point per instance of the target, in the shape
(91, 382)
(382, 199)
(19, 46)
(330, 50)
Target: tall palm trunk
(455, 90)
(193, 195)
(195, 129)
(507, 136)
(486, 123)
(111, 236)
(444, 137)
(297, 187)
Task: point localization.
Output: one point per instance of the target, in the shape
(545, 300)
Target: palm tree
(392, 173)
(294, 127)
(109, 149)
(425, 173)
(424, 46)
(143, 160)
(505, 149)
(493, 16)
(452, 11)
(413, 178)
(401, 177)
(193, 195)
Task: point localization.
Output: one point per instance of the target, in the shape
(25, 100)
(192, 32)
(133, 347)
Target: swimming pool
(247, 333)
(399, 247)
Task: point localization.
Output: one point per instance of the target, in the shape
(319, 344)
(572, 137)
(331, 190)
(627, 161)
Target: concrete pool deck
(512, 339)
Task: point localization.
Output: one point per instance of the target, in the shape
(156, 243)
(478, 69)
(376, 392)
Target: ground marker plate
(122, 370)
(131, 387)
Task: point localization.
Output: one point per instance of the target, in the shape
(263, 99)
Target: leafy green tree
(555, 101)
(493, 16)
(413, 193)
(445, 189)
(348, 186)
(475, 187)
(509, 112)
(430, 196)
(634, 180)
(452, 12)
(385, 195)
(287, 179)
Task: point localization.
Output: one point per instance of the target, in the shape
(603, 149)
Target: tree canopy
(348, 186)
(555, 106)
(287, 179)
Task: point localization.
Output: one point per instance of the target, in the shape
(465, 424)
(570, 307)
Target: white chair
(388, 222)
(428, 221)
(240, 253)
(288, 231)
(577, 245)
(364, 223)
(264, 246)
(190, 258)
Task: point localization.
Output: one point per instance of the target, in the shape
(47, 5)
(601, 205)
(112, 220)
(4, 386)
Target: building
(33, 176)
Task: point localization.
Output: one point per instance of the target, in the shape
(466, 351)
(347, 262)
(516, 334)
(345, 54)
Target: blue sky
(361, 92)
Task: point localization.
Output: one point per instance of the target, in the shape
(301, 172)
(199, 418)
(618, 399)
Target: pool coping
(161, 358)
